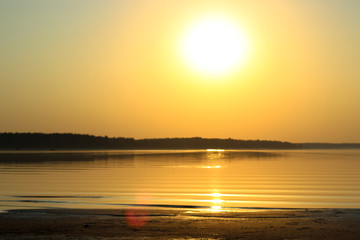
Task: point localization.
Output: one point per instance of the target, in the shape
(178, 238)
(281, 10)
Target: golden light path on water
(216, 202)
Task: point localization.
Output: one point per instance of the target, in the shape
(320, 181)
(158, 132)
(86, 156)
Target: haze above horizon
(172, 68)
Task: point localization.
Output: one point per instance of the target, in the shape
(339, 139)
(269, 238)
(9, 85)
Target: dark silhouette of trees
(83, 141)
(60, 141)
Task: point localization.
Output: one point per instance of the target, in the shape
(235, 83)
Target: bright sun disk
(214, 46)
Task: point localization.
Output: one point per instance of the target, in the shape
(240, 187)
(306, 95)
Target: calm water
(206, 179)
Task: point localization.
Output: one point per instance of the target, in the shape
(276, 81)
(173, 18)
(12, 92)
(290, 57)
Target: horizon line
(146, 138)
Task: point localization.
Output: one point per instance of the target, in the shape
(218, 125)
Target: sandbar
(153, 223)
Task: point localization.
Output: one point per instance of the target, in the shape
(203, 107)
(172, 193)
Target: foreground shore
(180, 224)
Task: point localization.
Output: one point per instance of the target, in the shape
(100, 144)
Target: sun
(214, 46)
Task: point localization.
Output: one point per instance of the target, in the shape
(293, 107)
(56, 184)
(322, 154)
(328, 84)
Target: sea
(212, 179)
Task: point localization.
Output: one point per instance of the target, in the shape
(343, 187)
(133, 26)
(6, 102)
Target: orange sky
(113, 68)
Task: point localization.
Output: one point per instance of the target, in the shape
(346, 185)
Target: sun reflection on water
(215, 150)
(215, 208)
(211, 167)
(217, 202)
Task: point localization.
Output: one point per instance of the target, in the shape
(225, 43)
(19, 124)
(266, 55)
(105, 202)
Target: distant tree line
(211, 143)
(19, 141)
(330, 145)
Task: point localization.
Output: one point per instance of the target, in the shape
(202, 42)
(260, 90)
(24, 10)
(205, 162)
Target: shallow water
(215, 180)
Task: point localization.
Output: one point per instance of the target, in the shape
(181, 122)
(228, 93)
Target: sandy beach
(180, 224)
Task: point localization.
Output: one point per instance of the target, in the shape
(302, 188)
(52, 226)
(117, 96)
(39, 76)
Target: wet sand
(180, 224)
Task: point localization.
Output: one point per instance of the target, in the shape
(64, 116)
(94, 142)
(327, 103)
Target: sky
(116, 68)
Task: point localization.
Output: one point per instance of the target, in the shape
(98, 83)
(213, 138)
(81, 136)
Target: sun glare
(214, 46)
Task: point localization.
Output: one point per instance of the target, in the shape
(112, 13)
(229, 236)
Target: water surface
(217, 180)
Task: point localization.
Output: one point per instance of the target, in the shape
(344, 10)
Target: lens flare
(136, 218)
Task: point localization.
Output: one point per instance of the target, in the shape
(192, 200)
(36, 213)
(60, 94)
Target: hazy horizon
(117, 69)
(180, 137)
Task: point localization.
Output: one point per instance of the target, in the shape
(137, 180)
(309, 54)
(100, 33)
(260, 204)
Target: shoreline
(148, 223)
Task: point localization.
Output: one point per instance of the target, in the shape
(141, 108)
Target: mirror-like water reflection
(215, 180)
